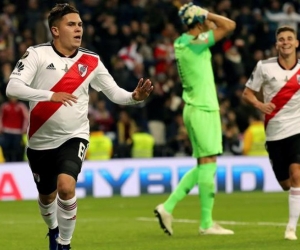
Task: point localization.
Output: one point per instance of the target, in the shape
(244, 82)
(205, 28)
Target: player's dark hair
(192, 25)
(285, 28)
(58, 11)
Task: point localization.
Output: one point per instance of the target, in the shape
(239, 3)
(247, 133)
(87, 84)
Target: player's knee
(295, 177)
(65, 187)
(67, 180)
(47, 199)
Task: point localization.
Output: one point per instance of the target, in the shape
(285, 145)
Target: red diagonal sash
(283, 96)
(68, 83)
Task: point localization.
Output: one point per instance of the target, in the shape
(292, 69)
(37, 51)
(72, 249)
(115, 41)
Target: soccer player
(201, 113)
(55, 78)
(279, 80)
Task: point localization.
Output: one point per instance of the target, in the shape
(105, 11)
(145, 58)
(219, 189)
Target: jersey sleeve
(203, 41)
(26, 67)
(256, 79)
(103, 81)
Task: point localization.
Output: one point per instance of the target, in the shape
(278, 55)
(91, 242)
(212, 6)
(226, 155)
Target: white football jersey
(281, 87)
(43, 68)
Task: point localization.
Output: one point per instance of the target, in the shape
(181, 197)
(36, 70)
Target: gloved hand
(190, 13)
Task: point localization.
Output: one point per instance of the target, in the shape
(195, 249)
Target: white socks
(294, 207)
(48, 213)
(66, 216)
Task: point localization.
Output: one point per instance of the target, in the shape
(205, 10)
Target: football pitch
(128, 223)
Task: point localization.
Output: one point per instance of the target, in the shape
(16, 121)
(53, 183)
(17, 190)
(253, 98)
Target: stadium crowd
(134, 39)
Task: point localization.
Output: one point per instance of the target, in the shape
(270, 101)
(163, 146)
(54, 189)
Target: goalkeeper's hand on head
(200, 12)
(190, 13)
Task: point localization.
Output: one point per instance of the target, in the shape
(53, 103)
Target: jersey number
(82, 151)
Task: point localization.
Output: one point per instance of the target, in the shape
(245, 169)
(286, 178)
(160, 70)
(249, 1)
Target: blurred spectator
(233, 67)
(179, 144)
(232, 139)
(100, 147)
(142, 144)
(126, 126)
(288, 16)
(156, 114)
(130, 55)
(120, 72)
(163, 55)
(254, 136)
(32, 15)
(14, 117)
(242, 115)
(102, 116)
(135, 74)
(41, 30)
(130, 11)
(5, 71)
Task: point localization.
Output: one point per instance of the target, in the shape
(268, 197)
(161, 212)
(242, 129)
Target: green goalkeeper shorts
(204, 129)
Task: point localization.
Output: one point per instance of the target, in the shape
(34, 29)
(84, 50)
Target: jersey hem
(86, 137)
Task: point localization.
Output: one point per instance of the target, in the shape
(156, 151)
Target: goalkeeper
(201, 113)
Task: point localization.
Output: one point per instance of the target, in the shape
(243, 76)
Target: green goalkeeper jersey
(195, 69)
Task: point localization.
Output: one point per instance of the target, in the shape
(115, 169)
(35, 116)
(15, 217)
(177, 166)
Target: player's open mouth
(78, 38)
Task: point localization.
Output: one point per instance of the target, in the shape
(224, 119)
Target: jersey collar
(285, 68)
(62, 55)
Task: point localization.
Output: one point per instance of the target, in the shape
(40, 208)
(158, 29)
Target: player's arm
(223, 25)
(23, 75)
(104, 82)
(18, 89)
(276, 17)
(253, 88)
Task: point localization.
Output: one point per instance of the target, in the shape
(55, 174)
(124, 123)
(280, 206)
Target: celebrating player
(279, 80)
(201, 112)
(55, 77)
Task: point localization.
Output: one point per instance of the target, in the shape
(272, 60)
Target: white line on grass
(116, 219)
(238, 223)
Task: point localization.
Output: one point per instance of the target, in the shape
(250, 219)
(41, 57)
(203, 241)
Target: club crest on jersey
(298, 79)
(82, 69)
(25, 55)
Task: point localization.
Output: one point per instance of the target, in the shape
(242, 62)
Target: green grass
(128, 224)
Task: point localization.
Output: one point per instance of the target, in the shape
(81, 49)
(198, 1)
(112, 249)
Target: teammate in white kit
(279, 80)
(55, 77)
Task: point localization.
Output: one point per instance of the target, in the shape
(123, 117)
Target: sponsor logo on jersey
(201, 39)
(19, 67)
(82, 69)
(51, 66)
(203, 36)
